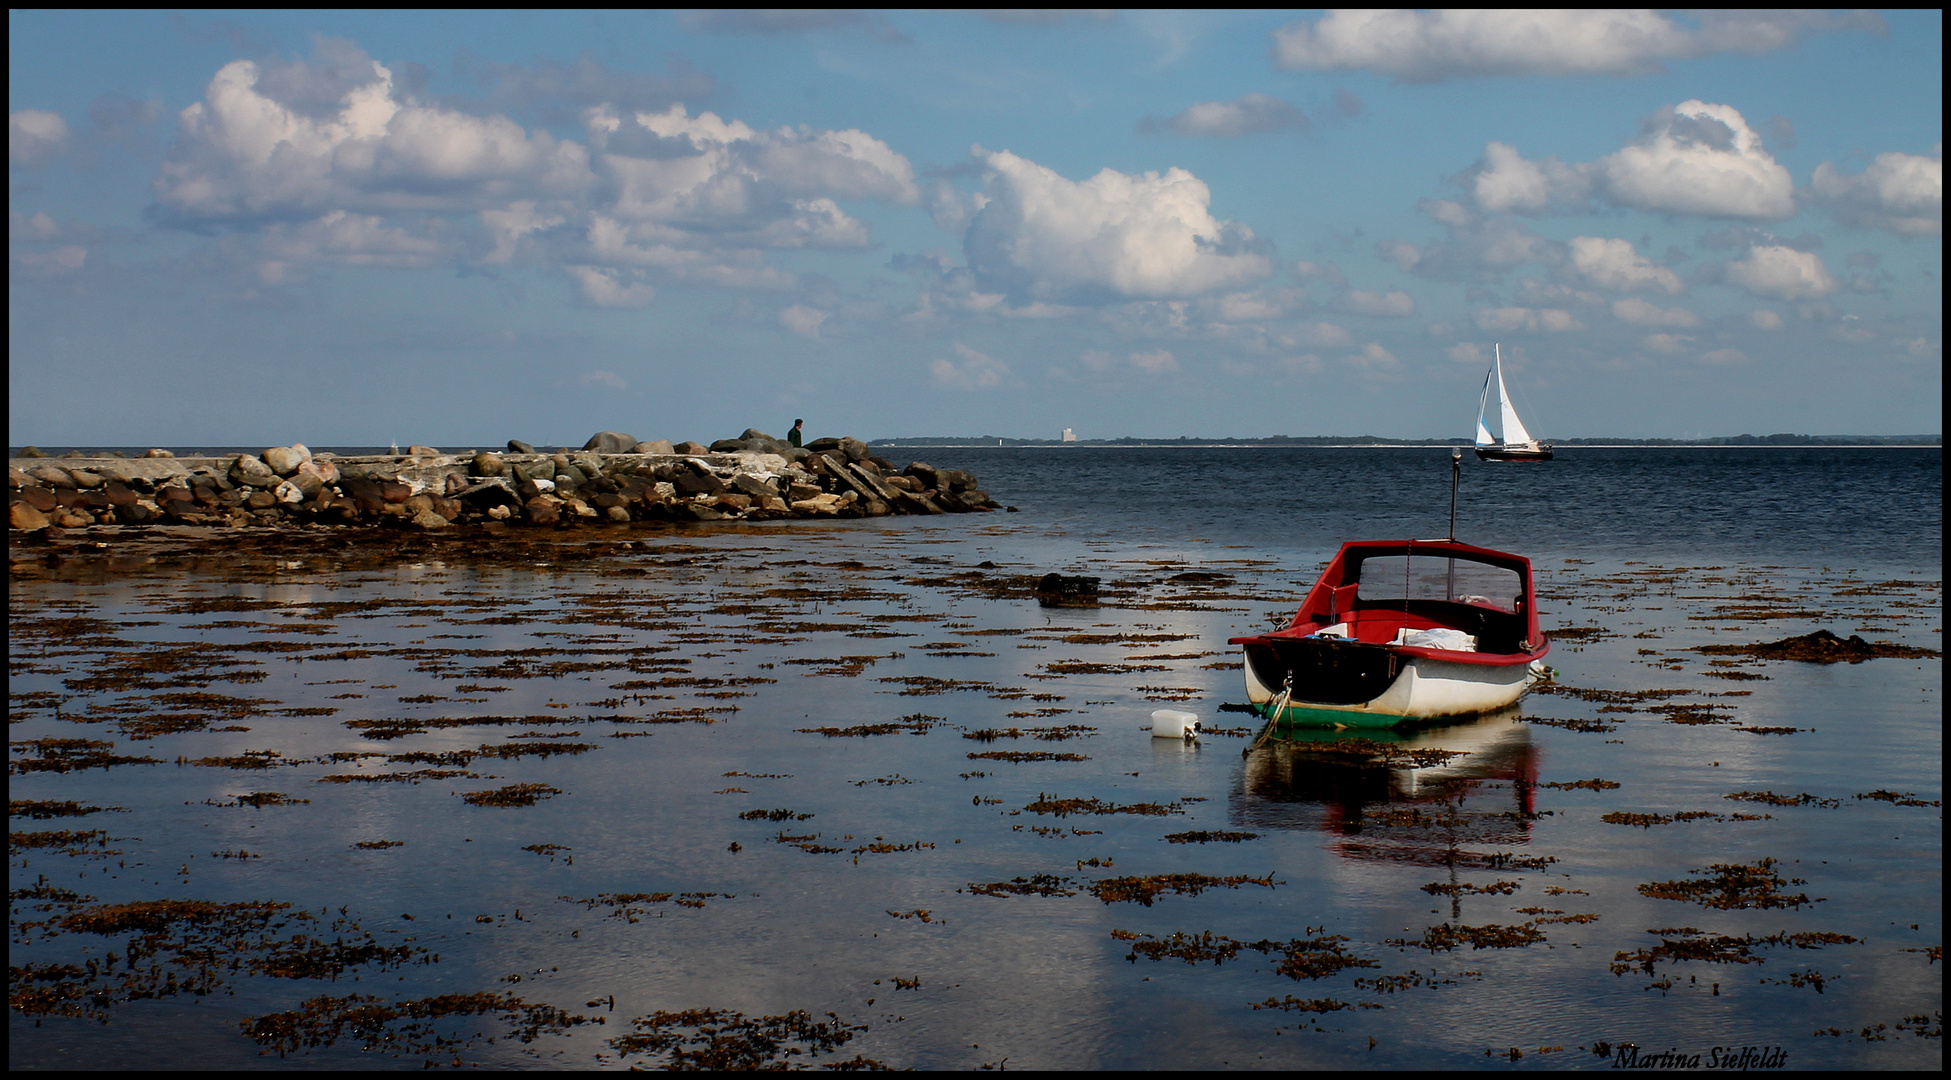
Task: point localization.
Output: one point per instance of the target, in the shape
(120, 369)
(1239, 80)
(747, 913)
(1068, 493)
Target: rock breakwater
(615, 478)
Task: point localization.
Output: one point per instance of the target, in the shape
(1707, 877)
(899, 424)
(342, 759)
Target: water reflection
(1424, 797)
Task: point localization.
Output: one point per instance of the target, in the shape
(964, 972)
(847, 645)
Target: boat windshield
(1438, 577)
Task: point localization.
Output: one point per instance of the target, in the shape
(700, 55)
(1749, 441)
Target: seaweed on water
(1732, 886)
(722, 1039)
(404, 1027)
(1145, 889)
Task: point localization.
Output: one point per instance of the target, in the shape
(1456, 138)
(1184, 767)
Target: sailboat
(1517, 445)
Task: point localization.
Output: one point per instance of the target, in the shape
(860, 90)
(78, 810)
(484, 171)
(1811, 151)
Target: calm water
(937, 904)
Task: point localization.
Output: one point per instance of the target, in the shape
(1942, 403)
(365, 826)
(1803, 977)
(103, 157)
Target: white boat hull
(1426, 689)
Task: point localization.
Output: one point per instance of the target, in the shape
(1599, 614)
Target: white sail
(1514, 433)
(1483, 404)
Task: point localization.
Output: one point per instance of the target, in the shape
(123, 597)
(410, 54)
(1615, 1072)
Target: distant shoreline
(993, 443)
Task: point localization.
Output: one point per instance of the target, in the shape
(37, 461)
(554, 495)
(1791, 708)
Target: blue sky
(459, 228)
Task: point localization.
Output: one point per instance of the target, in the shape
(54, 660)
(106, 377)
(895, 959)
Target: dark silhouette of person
(795, 436)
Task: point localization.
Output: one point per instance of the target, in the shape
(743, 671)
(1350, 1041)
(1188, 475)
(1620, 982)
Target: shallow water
(653, 649)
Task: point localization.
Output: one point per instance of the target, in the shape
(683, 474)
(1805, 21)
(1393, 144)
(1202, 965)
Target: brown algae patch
(191, 946)
(721, 1039)
(1144, 890)
(1732, 887)
(1034, 885)
(1689, 943)
(44, 809)
(1315, 957)
(1020, 756)
(1210, 837)
(1045, 734)
(511, 795)
(405, 1027)
(1447, 937)
(1048, 804)
(67, 755)
(627, 906)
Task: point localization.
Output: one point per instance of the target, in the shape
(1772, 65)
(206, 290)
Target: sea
(843, 792)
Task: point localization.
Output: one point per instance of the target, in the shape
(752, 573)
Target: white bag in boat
(1439, 637)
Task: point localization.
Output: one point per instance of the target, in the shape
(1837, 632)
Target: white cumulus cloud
(1635, 310)
(1113, 237)
(1503, 180)
(1614, 264)
(1551, 320)
(975, 371)
(802, 320)
(1394, 304)
(35, 137)
(1903, 193)
(1251, 114)
(1700, 158)
(1425, 46)
(1695, 158)
(1782, 273)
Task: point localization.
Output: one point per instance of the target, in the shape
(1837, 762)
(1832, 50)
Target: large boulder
(611, 442)
(249, 471)
(854, 449)
(656, 446)
(692, 449)
(24, 517)
(517, 446)
(284, 460)
(486, 464)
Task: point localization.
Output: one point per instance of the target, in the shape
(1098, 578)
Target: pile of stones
(615, 478)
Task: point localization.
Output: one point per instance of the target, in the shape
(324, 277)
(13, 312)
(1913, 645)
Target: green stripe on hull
(1315, 717)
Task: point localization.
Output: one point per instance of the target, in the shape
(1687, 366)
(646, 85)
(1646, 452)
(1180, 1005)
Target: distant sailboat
(1517, 444)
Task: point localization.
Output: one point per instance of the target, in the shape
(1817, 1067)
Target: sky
(460, 228)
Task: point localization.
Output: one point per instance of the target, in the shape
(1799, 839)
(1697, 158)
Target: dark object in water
(1821, 647)
(1057, 590)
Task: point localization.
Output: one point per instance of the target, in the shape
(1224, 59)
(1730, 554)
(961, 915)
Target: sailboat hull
(1513, 453)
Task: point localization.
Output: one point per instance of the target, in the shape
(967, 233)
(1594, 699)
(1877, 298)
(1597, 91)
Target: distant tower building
(1069, 435)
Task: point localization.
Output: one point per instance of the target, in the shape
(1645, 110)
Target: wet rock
(753, 486)
(517, 446)
(487, 465)
(1059, 590)
(1821, 647)
(542, 511)
(25, 517)
(427, 519)
(248, 471)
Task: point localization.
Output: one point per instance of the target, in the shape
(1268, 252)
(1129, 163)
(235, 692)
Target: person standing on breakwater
(794, 436)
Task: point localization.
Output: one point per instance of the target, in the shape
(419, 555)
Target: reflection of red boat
(1400, 631)
(1400, 797)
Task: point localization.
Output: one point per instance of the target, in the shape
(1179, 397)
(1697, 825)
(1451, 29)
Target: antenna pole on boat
(1456, 477)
